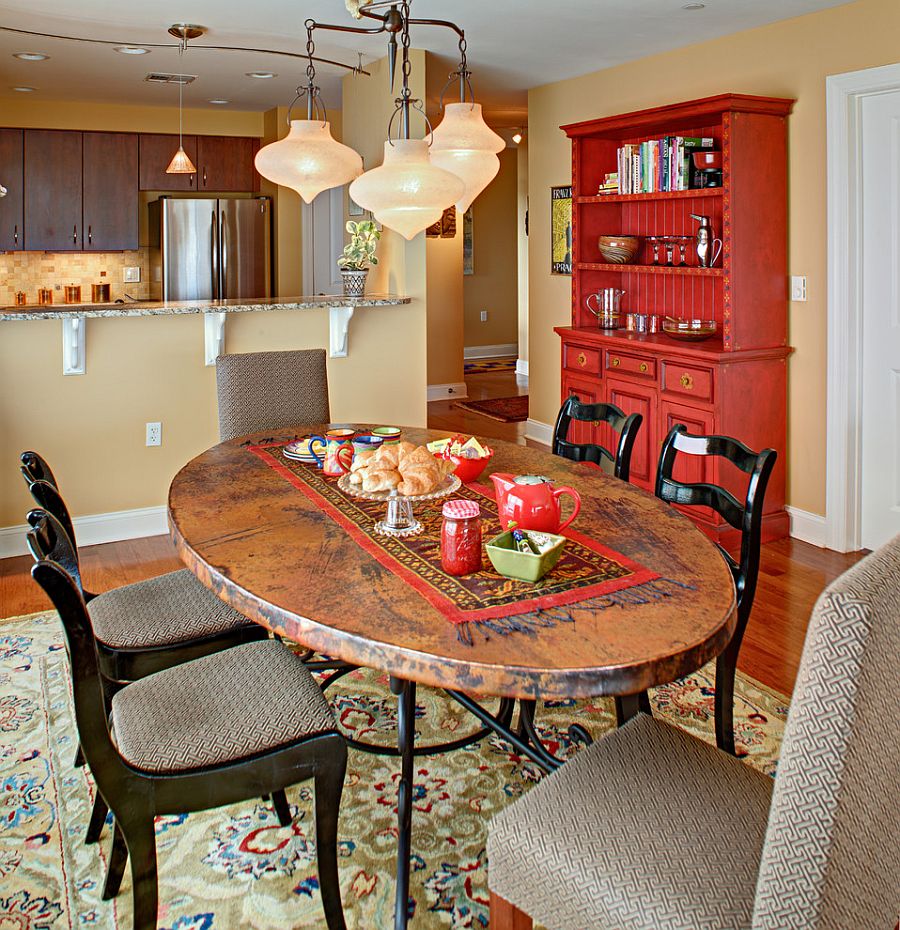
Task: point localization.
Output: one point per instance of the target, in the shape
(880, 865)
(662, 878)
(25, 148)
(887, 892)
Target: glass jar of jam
(461, 537)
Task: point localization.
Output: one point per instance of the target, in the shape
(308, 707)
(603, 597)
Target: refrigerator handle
(214, 257)
(224, 253)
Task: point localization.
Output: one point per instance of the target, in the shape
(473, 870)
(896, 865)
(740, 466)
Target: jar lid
(461, 509)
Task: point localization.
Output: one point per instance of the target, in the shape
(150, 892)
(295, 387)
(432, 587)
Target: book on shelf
(655, 165)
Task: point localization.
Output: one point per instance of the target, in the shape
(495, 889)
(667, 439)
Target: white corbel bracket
(213, 336)
(338, 331)
(73, 345)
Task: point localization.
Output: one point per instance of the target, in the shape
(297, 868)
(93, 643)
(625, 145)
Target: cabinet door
(588, 392)
(225, 163)
(110, 175)
(691, 469)
(638, 398)
(53, 190)
(156, 152)
(12, 232)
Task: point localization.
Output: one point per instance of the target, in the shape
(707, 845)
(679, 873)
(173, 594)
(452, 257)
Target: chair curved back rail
(48, 541)
(626, 426)
(35, 468)
(271, 390)
(746, 517)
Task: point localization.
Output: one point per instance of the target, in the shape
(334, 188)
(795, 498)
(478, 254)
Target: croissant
(389, 454)
(362, 459)
(419, 456)
(380, 480)
(418, 480)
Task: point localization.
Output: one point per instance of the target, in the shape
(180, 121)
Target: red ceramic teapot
(532, 502)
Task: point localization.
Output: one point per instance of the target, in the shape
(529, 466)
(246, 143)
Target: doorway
(323, 242)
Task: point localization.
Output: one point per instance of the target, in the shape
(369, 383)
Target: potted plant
(359, 254)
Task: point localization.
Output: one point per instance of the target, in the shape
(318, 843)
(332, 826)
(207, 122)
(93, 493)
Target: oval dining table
(271, 552)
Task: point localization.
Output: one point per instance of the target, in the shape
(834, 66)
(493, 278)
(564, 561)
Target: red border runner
(636, 573)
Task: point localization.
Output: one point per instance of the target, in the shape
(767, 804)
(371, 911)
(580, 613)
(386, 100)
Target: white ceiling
(511, 46)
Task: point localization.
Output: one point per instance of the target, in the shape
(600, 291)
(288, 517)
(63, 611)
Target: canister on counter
(73, 293)
(45, 296)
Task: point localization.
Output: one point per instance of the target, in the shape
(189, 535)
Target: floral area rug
(483, 366)
(235, 867)
(502, 409)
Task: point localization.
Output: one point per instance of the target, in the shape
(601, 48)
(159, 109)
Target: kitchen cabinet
(156, 151)
(110, 191)
(225, 163)
(12, 229)
(53, 165)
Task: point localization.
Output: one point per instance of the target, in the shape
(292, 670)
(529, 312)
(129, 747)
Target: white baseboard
(539, 432)
(808, 527)
(522, 367)
(506, 348)
(95, 529)
(455, 391)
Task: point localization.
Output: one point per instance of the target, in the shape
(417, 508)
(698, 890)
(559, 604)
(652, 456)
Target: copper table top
(267, 550)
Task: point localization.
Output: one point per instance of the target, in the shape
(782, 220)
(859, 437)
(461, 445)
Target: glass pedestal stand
(399, 519)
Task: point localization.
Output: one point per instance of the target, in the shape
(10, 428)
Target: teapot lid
(531, 479)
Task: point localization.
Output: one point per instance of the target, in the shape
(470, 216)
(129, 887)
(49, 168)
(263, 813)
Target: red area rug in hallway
(504, 409)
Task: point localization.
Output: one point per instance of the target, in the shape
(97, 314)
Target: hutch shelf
(734, 383)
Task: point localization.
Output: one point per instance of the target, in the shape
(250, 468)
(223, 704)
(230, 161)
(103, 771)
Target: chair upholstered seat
(642, 830)
(162, 611)
(232, 705)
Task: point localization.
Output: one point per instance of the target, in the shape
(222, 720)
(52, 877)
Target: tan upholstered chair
(271, 390)
(650, 827)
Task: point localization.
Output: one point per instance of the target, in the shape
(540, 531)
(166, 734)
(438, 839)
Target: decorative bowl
(618, 250)
(689, 330)
(525, 566)
(707, 160)
(467, 469)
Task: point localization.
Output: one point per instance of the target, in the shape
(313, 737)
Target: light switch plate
(132, 274)
(798, 287)
(484, 316)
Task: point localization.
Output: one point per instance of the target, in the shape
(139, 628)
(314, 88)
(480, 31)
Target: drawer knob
(582, 359)
(687, 382)
(643, 367)
(615, 363)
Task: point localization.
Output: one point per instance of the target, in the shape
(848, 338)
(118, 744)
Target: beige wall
(522, 245)
(787, 59)
(444, 279)
(493, 286)
(91, 427)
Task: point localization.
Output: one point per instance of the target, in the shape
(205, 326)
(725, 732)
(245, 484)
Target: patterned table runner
(586, 571)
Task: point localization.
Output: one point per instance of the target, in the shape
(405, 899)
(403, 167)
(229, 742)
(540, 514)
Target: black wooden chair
(746, 517)
(184, 745)
(618, 465)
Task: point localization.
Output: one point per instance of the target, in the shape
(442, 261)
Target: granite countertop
(153, 308)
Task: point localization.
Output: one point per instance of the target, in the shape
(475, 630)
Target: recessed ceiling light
(31, 56)
(219, 102)
(694, 6)
(261, 75)
(23, 90)
(131, 50)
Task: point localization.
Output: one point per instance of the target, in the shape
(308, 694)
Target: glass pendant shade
(407, 193)
(308, 159)
(466, 146)
(180, 163)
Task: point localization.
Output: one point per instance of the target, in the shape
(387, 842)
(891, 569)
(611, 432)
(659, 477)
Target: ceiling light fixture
(261, 75)
(517, 136)
(694, 6)
(21, 89)
(181, 163)
(219, 102)
(30, 56)
(308, 159)
(131, 50)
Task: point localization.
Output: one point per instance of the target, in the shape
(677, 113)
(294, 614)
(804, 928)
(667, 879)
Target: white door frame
(844, 94)
(335, 198)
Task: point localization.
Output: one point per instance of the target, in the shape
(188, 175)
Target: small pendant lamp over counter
(181, 163)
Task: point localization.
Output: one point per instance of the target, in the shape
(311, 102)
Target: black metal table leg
(406, 737)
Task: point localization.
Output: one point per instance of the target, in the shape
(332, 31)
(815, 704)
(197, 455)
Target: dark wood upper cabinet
(156, 151)
(225, 163)
(53, 164)
(110, 191)
(12, 229)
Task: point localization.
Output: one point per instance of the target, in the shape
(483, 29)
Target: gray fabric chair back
(271, 390)
(830, 858)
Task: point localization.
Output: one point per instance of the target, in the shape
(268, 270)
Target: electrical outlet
(798, 287)
(154, 434)
(484, 316)
(132, 274)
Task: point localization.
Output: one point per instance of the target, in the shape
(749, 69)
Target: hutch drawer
(644, 366)
(687, 380)
(581, 359)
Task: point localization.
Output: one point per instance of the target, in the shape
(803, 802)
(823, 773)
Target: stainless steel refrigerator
(210, 249)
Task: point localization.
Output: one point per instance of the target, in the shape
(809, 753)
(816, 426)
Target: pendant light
(407, 193)
(308, 159)
(463, 143)
(181, 163)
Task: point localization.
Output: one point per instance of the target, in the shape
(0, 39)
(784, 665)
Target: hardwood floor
(791, 577)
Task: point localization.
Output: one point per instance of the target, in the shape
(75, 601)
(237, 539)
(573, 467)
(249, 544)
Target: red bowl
(467, 470)
(705, 160)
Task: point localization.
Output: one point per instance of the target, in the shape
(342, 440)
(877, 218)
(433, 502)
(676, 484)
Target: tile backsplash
(28, 271)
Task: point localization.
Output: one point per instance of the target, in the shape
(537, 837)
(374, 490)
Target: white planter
(354, 282)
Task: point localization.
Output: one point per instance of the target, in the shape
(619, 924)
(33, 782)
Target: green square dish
(525, 566)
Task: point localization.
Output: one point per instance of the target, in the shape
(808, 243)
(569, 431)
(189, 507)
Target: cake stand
(399, 519)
